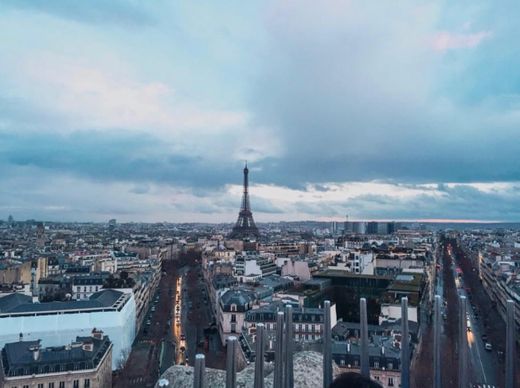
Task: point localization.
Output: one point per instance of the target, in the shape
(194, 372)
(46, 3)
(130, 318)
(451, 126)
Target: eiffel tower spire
(245, 226)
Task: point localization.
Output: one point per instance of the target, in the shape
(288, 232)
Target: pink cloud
(444, 41)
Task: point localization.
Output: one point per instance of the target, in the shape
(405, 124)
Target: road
(482, 364)
(153, 349)
(201, 336)
(489, 321)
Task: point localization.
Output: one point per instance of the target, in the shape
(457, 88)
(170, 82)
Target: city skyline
(145, 112)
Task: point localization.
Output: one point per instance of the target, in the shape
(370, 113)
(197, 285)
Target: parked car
(488, 347)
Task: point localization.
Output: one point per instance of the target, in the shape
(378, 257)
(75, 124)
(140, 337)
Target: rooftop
(18, 304)
(28, 357)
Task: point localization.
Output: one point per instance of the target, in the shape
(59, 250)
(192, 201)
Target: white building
(250, 268)
(232, 307)
(55, 323)
(297, 269)
(83, 287)
(392, 313)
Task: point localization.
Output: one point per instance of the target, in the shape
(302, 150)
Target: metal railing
(283, 368)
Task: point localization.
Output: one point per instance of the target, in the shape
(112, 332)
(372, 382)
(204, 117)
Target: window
(51, 385)
(75, 384)
(25, 386)
(233, 327)
(233, 317)
(390, 365)
(62, 384)
(376, 364)
(86, 384)
(390, 381)
(40, 385)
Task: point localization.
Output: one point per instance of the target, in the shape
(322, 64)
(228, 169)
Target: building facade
(85, 363)
(54, 323)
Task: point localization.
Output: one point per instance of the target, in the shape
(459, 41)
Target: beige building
(16, 272)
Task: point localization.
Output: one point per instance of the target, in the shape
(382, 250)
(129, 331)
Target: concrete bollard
(327, 346)
(289, 340)
(199, 379)
(231, 365)
(510, 344)
(405, 345)
(437, 343)
(260, 354)
(365, 366)
(463, 344)
(279, 356)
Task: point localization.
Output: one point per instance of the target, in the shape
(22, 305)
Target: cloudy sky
(145, 111)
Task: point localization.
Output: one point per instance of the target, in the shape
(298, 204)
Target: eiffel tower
(245, 226)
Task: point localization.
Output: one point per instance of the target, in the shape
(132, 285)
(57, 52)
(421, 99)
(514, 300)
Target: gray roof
(276, 282)
(18, 356)
(13, 300)
(18, 303)
(239, 297)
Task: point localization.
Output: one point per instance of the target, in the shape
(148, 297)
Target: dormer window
(233, 307)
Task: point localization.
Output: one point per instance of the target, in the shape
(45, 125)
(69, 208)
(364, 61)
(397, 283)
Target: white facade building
(55, 323)
(392, 313)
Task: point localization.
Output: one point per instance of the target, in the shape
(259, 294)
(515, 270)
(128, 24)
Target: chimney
(88, 346)
(383, 350)
(20, 337)
(98, 334)
(35, 349)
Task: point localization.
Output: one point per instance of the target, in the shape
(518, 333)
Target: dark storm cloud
(356, 98)
(112, 156)
(457, 201)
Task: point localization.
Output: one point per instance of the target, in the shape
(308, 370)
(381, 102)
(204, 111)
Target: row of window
(299, 327)
(374, 364)
(90, 288)
(61, 384)
(390, 380)
(297, 317)
(53, 368)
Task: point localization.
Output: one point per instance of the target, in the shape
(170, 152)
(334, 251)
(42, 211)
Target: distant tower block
(245, 226)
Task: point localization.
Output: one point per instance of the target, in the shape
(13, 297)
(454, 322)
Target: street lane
(483, 365)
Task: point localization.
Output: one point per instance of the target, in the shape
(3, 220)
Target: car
(488, 347)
